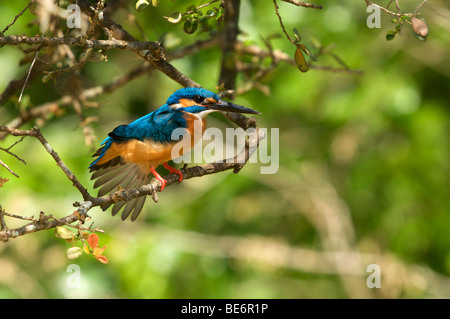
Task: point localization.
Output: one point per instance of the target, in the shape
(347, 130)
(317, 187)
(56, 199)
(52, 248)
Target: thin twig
(397, 14)
(199, 7)
(18, 16)
(7, 167)
(419, 6)
(281, 22)
(28, 74)
(8, 150)
(20, 217)
(35, 132)
(303, 4)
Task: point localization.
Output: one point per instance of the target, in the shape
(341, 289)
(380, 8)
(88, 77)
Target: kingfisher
(130, 154)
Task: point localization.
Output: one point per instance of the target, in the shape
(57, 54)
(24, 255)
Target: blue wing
(157, 126)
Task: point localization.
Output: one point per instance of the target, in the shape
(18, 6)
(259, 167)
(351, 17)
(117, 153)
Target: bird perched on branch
(131, 153)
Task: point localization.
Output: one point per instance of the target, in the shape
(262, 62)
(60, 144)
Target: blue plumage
(189, 93)
(157, 126)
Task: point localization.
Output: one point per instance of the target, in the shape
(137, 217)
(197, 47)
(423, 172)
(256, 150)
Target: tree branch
(303, 4)
(228, 37)
(82, 42)
(397, 14)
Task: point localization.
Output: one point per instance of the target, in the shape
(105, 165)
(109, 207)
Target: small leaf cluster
(194, 19)
(204, 22)
(90, 244)
(420, 27)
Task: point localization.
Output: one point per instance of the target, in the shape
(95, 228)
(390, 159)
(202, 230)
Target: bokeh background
(364, 166)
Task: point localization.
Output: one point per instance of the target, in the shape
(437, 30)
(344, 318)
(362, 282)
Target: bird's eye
(198, 99)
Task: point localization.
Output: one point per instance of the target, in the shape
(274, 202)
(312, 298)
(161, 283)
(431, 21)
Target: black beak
(231, 107)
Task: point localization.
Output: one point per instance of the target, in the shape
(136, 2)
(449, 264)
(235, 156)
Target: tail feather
(103, 178)
(127, 176)
(117, 207)
(110, 181)
(138, 207)
(135, 203)
(101, 172)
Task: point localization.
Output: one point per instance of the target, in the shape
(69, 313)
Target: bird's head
(202, 102)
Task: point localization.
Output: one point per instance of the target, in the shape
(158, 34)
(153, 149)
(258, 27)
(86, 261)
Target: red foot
(158, 177)
(173, 170)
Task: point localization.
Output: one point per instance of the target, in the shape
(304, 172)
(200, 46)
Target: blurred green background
(364, 166)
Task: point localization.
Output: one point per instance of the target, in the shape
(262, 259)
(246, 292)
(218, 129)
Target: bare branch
(35, 132)
(303, 4)
(281, 22)
(17, 16)
(228, 37)
(397, 14)
(44, 223)
(7, 167)
(82, 42)
(28, 74)
(199, 7)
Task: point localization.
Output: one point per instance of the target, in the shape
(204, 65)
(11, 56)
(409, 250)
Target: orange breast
(147, 152)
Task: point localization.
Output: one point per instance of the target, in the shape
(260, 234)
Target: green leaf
(390, 35)
(190, 26)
